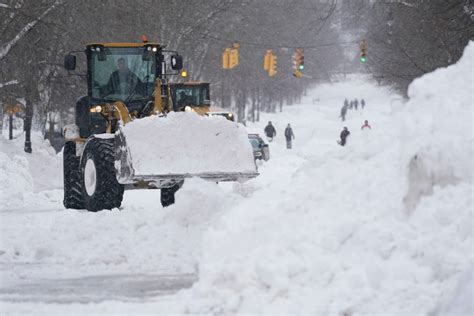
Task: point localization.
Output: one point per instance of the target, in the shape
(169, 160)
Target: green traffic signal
(301, 67)
(363, 59)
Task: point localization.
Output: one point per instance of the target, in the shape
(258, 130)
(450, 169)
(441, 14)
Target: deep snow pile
(186, 142)
(141, 238)
(24, 176)
(381, 226)
(15, 180)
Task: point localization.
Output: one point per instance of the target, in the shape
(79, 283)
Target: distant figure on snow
(356, 104)
(270, 131)
(351, 105)
(362, 104)
(289, 136)
(366, 125)
(345, 132)
(344, 111)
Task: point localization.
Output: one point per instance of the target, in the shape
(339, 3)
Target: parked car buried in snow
(260, 149)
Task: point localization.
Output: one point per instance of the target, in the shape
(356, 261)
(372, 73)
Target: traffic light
(298, 63)
(363, 51)
(226, 59)
(270, 63)
(273, 65)
(300, 59)
(234, 58)
(230, 58)
(266, 60)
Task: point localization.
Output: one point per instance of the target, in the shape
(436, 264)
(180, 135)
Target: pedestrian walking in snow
(366, 125)
(343, 112)
(346, 103)
(351, 105)
(289, 136)
(270, 131)
(344, 134)
(362, 104)
(356, 104)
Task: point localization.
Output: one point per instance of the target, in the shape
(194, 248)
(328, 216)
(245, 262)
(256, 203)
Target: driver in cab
(185, 99)
(123, 80)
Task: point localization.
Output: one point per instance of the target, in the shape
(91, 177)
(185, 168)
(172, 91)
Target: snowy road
(321, 221)
(97, 288)
(58, 259)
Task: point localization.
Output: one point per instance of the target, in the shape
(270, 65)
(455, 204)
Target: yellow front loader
(192, 96)
(130, 130)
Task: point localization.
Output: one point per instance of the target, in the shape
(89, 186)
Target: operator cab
(189, 94)
(124, 73)
(127, 73)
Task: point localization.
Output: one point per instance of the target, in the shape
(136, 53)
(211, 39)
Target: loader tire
(167, 194)
(73, 197)
(100, 186)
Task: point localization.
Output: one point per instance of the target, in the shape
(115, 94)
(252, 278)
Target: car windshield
(122, 74)
(192, 95)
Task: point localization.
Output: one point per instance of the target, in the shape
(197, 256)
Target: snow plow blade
(158, 152)
(169, 180)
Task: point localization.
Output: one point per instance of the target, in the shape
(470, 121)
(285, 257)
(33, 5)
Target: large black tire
(167, 194)
(73, 197)
(101, 189)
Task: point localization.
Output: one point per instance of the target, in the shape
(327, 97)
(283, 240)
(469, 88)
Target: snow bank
(461, 301)
(23, 175)
(15, 180)
(337, 238)
(437, 126)
(186, 142)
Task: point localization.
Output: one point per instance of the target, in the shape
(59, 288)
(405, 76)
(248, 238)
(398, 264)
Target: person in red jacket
(366, 125)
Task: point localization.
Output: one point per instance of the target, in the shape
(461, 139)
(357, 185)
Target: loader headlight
(96, 109)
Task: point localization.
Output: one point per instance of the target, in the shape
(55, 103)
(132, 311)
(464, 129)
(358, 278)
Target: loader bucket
(163, 150)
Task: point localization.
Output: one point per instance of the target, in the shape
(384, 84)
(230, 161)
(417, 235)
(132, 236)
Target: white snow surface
(382, 226)
(25, 178)
(185, 142)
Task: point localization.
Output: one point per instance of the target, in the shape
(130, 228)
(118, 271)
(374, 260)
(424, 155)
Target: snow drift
(24, 175)
(342, 237)
(15, 180)
(437, 128)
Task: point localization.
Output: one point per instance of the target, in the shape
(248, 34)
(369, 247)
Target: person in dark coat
(351, 105)
(289, 136)
(343, 112)
(270, 131)
(123, 80)
(356, 104)
(362, 104)
(346, 103)
(345, 132)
